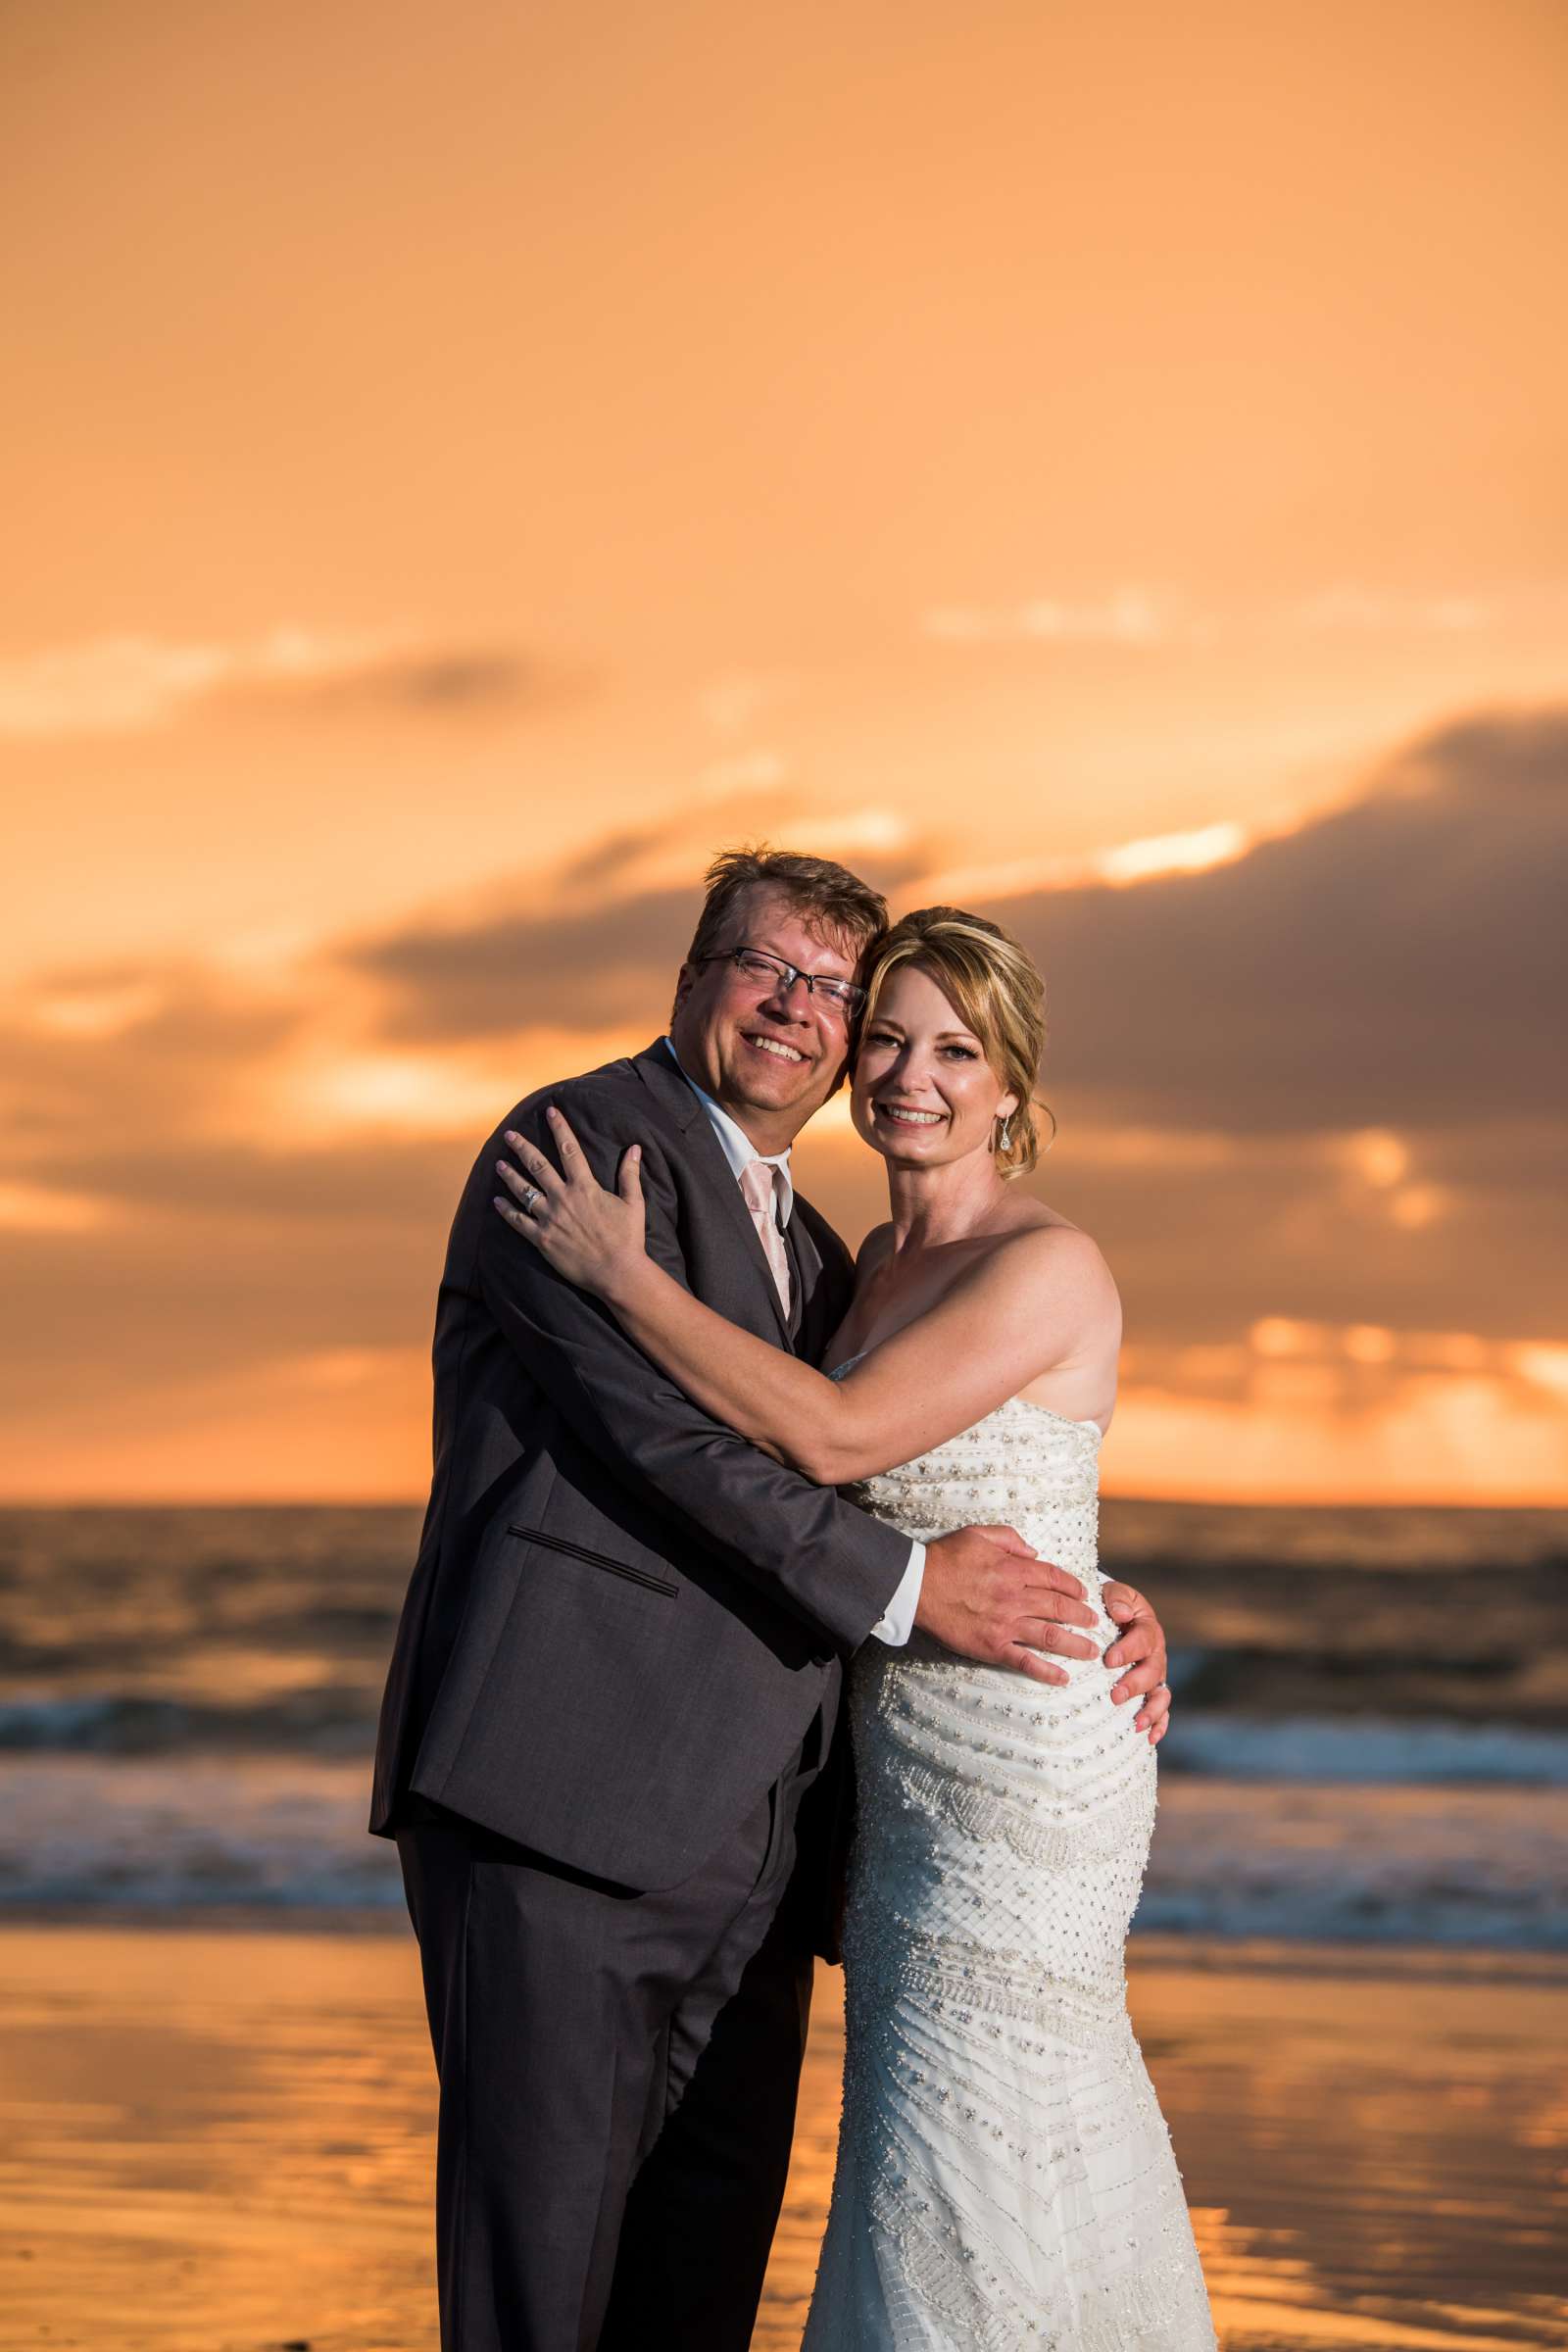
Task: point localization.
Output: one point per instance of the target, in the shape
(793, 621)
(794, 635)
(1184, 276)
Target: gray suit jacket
(624, 1617)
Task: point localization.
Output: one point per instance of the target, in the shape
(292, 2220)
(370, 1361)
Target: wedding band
(533, 1195)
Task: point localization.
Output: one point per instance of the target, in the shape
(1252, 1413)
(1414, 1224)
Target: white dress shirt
(897, 1625)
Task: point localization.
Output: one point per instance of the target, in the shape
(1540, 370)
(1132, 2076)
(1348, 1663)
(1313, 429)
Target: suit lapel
(666, 1082)
(806, 1270)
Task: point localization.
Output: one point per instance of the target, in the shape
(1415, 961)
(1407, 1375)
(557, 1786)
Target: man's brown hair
(829, 900)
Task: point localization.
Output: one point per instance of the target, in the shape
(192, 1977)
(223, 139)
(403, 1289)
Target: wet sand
(221, 2137)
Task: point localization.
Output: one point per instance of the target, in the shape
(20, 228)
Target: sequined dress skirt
(1004, 2176)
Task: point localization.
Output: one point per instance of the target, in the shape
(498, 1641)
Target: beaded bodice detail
(1022, 1455)
(1004, 2176)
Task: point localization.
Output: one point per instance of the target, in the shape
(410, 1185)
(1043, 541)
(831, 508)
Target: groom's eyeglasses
(841, 996)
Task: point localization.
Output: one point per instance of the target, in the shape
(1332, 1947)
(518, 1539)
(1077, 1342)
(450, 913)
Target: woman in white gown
(1004, 2177)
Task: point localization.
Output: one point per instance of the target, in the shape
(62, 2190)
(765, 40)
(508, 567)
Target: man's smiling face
(770, 1055)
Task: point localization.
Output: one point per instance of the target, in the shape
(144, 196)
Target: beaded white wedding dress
(1004, 2176)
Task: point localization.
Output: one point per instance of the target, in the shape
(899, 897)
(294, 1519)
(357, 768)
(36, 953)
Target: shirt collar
(739, 1149)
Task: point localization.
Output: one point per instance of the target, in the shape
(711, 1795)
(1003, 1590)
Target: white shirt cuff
(896, 1627)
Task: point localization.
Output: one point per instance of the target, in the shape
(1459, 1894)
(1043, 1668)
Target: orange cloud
(288, 1136)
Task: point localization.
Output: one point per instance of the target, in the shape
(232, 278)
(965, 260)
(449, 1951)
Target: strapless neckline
(1027, 1402)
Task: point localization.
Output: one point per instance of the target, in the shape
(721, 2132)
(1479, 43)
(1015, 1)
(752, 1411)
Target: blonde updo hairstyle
(996, 989)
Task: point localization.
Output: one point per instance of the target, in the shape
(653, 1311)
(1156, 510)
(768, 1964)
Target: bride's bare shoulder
(1046, 1247)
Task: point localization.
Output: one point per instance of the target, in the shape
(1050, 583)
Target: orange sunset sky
(1099, 464)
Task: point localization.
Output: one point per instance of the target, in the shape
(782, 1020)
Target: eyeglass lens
(760, 965)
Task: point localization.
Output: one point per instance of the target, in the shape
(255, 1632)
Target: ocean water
(1370, 1740)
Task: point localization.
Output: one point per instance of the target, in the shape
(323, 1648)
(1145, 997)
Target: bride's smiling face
(923, 1092)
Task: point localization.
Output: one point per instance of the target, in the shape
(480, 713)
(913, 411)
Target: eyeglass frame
(852, 1001)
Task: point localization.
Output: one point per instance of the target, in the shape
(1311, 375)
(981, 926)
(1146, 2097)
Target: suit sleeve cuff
(896, 1624)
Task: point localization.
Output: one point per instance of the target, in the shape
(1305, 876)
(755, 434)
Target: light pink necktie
(756, 1183)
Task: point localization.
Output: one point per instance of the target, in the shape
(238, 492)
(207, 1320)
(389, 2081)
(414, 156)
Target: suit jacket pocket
(598, 1560)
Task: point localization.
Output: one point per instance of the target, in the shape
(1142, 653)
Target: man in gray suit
(617, 1670)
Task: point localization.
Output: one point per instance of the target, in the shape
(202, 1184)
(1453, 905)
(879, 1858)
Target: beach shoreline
(217, 2133)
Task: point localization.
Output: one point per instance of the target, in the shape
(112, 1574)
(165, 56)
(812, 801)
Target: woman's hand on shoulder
(594, 1238)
